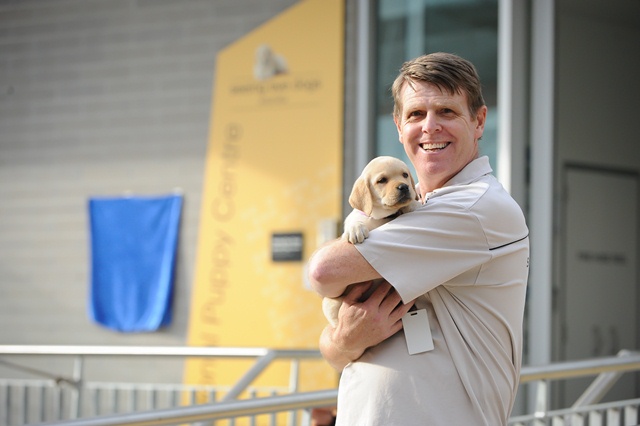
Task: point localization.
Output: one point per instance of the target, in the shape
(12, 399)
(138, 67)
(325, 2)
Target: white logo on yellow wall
(268, 63)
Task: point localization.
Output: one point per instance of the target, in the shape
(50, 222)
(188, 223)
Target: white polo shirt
(463, 256)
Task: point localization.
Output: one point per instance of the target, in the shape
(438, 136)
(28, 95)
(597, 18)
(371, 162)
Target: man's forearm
(335, 354)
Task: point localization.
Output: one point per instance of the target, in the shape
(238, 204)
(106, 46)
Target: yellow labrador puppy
(384, 190)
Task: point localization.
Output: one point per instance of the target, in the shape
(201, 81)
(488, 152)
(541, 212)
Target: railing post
(630, 415)
(614, 416)
(541, 399)
(260, 365)
(75, 407)
(4, 414)
(294, 377)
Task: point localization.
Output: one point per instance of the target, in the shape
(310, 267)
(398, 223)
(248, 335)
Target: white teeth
(431, 146)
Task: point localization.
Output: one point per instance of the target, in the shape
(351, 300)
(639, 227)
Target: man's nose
(431, 123)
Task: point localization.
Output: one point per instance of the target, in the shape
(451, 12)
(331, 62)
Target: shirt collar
(471, 172)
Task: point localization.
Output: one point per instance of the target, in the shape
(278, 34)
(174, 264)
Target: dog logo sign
(268, 64)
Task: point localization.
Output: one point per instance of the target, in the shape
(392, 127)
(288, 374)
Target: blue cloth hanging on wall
(133, 252)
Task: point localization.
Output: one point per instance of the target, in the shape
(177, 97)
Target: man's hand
(362, 324)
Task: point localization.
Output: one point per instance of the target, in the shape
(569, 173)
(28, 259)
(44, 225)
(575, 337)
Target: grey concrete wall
(101, 97)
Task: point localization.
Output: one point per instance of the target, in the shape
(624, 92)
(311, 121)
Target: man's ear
(361, 198)
(481, 119)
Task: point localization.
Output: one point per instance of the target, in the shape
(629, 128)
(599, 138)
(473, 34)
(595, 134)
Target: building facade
(112, 97)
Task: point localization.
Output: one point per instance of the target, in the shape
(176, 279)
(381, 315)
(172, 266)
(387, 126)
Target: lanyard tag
(417, 331)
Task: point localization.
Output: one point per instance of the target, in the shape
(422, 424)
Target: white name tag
(417, 331)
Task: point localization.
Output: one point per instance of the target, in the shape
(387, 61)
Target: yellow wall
(273, 165)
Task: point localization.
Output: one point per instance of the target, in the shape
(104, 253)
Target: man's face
(438, 133)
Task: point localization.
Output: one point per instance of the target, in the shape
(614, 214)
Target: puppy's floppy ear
(361, 197)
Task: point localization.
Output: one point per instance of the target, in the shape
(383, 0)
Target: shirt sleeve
(431, 246)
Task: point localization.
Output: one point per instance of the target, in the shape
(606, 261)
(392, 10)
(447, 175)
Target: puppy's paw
(355, 232)
(356, 228)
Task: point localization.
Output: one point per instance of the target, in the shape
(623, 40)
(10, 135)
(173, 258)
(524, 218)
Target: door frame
(560, 302)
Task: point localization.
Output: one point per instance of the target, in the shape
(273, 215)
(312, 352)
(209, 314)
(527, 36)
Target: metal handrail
(608, 370)
(581, 368)
(601, 385)
(217, 411)
(577, 411)
(227, 409)
(264, 357)
(168, 351)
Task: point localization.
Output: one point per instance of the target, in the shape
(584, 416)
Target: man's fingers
(397, 326)
(397, 314)
(380, 293)
(401, 310)
(391, 299)
(357, 291)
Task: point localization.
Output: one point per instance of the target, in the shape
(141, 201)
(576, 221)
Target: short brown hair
(447, 71)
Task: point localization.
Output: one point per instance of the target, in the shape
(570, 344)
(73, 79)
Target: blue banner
(133, 252)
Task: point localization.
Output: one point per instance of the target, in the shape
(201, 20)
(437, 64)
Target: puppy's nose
(403, 187)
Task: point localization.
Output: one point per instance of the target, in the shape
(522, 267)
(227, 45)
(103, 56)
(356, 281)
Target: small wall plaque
(287, 247)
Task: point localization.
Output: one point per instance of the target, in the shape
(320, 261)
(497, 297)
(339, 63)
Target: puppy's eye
(405, 175)
(382, 180)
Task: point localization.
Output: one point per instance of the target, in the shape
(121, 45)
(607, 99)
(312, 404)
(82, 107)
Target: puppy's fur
(384, 190)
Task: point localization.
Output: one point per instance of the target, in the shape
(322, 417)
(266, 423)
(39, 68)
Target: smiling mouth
(434, 147)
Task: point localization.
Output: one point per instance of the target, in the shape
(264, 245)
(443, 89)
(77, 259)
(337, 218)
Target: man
(462, 256)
